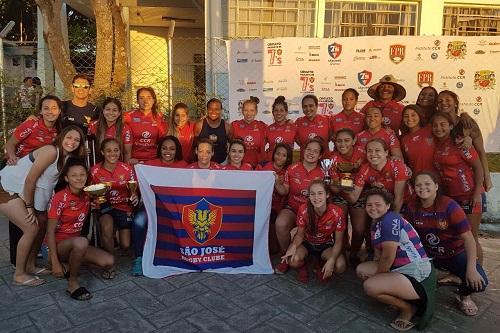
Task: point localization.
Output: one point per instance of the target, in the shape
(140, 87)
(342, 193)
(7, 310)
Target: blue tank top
(218, 136)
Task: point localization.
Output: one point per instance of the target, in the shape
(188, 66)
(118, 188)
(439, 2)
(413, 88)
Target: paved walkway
(202, 302)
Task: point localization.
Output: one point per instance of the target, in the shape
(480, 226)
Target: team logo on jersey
(397, 53)
(364, 77)
(202, 220)
(312, 135)
(456, 50)
(484, 80)
(432, 239)
(425, 78)
(334, 50)
(249, 138)
(82, 217)
(278, 139)
(442, 224)
(146, 134)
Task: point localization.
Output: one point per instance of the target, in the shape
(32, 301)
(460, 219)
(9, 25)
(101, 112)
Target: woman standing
(447, 238)
(252, 132)
(312, 125)
(26, 189)
(401, 274)
(183, 129)
(427, 100)
(374, 129)
(283, 130)
(297, 179)
(461, 173)
(147, 126)
(348, 117)
(417, 141)
(110, 125)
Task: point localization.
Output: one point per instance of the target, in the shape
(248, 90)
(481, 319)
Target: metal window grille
(271, 18)
(471, 21)
(363, 18)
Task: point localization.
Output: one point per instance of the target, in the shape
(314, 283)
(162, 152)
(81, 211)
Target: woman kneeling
(401, 274)
(320, 232)
(67, 213)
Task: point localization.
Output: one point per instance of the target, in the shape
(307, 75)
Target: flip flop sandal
(33, 282)
(402, 324)
(469, 308)
(80, 294)
(42, 271)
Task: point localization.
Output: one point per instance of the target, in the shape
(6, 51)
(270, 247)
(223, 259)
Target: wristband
(29, 206)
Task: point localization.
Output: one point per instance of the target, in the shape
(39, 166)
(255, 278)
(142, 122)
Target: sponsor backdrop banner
(293, 67)
(201, 220)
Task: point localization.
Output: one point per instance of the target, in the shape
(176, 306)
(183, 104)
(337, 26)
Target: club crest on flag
(202, 220)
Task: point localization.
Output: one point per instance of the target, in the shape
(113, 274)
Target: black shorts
(419, 289)
(121, 219)
(316, 249)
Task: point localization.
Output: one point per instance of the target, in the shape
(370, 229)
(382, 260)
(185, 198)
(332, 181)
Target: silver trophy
(326, 165)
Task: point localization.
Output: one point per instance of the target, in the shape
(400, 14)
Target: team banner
(325, 67)
(202, 220)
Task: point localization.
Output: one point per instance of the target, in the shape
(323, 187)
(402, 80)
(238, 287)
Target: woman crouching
(401, 274)
(67, 213)
(320, 232)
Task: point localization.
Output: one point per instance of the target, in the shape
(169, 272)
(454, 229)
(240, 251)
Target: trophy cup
(132, 186)
(326, 165)
(346, 169)
(99, 191)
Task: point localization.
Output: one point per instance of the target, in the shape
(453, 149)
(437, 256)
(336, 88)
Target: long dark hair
(280, 100)
(58, 124)
(178, 148)
(80, 150)
(311, 213)
(102, 125)
(421, 115)
(289, 153)
(172, 126)
(70, 162)
(154, 108)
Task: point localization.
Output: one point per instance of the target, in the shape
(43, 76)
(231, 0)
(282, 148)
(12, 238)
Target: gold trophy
(346, 169)
(98, 191)
(132, 187)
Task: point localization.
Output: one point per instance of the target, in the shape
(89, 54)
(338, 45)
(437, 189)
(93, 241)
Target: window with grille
(363, 18)
(271, 18)
(471, 21)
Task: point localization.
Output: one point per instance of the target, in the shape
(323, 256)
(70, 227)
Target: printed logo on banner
(364, 77)
(425, 78)
(334, 50)
(275, 52)
(484, 80)
(456, 50)
(307, 81)
(202, 220)
(397, 53)
(326, 106)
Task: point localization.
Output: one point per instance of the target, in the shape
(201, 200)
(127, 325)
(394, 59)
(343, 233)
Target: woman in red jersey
(461, 173)
(386, 95)
(169, 153)
(463, 126)
(447, 238)
(251, 130)
(236, 155)
(417, 141)
(297, 179)
(346, 152)
(283, 130)
(374, 129)
(282, 158)
(180, 127)
(68, 210)
(147, 126)
(348, 117)
(204, 152)
(320, 233)
(312, 125)
(110, 125)
(118, 210)
(382, 172)
(427, 100)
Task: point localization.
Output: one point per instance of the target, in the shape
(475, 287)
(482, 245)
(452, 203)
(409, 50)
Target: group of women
(426, 151)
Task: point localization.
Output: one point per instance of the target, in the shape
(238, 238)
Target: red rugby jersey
(284, 133)
(354, 121)
(358, 158)
(213, 166)
(439, 226)
(278, 200)
(110, 132)
(327, 224)
(454, 165)
(243, 167)
(418, 149)
(298, 180)
(33, 134)
(393, 171)
(392, 112)
(308, 129)
(118, 195)
(385, 134)
(186, 137)
(70, 210)
(146, 130)
(253, 136)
